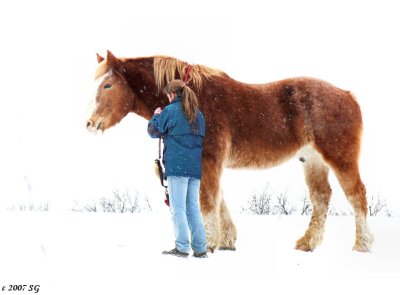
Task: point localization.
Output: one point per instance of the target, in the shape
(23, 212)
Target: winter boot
(176, 252)
(200, 255)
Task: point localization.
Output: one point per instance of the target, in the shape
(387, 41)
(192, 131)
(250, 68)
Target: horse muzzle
(94, 126)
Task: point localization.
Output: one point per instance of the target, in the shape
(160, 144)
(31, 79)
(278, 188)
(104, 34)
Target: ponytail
(189, 104)
(189, 100)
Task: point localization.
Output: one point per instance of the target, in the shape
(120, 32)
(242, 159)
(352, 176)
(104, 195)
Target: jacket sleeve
(159, 124)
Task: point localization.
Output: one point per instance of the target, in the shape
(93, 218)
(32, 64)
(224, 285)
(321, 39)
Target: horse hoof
(227, 248)
(364, 244)
(363, 248)
(302, 245)
(303, 248)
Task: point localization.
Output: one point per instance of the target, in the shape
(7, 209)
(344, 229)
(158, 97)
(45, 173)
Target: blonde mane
(166, 67)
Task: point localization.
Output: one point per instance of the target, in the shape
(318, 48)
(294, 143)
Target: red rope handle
(187, 73)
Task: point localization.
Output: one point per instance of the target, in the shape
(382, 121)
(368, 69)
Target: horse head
(126, 85)
(114, 98)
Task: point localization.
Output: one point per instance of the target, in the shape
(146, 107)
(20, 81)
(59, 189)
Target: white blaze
(93, 103)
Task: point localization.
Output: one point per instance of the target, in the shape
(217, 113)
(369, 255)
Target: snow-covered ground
(105, 253)
(47, 156)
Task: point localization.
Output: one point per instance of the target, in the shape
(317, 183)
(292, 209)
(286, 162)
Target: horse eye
(106, 86)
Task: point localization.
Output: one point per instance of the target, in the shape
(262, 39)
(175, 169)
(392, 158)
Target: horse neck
(140, 76)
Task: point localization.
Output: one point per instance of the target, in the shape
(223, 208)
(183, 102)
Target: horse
(252, 126)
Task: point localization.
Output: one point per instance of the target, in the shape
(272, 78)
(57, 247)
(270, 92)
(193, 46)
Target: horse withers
(249, 126)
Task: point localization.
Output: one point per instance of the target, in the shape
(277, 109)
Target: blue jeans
(186, 215)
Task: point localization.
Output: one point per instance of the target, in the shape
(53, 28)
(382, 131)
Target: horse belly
(260, 155)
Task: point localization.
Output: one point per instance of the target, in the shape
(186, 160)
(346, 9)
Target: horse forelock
(102, 69)
(166, 67)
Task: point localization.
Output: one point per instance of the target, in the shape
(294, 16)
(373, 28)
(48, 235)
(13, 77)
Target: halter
(187, 73)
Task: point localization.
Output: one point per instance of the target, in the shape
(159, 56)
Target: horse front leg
(228, 229)
(210, 202)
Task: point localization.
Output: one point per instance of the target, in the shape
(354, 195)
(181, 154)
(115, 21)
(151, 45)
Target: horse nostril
(99, 126)
(89, 124)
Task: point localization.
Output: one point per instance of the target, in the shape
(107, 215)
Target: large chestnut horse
(249, 126)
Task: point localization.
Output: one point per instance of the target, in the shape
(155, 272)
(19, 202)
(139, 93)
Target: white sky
(48, 50)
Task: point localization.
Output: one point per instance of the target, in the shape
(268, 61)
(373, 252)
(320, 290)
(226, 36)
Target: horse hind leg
(344, 163)
(316, 175)
(354, 189)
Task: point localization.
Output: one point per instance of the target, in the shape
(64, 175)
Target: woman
(182, 127)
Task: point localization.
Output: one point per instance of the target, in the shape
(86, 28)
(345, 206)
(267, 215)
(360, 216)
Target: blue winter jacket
(183, 144)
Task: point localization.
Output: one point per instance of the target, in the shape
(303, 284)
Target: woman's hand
(157, 111)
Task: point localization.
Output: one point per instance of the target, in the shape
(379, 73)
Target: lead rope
(161, 173)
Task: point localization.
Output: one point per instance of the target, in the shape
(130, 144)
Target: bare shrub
(306, 208)
(260, 204)
(269, 203)
(266, 203)
(283, 207)
(377, 206)
(120, 202)
(30, 207)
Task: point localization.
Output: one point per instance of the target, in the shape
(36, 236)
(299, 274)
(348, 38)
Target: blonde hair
(189, 99)
(166, 69)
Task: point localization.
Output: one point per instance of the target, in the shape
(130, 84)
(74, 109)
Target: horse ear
(111, 59)
(99, 58)
(114, 62)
